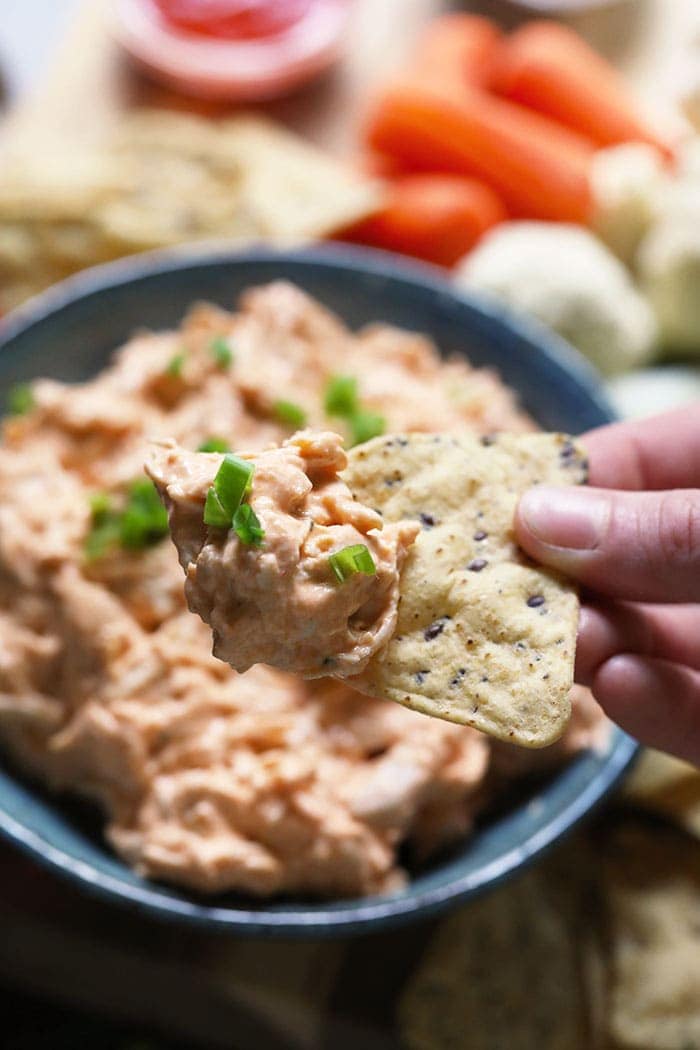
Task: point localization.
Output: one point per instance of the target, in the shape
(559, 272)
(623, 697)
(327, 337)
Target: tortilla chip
(296, 191)
(667, 786)
(503, 972)
(163, 179)
(652, 877)
(483, 638)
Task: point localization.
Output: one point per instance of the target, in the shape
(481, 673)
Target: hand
(633, 541)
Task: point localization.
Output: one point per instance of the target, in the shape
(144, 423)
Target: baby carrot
(549, 68)
(539, 168)
(438, 218)
(456, 48)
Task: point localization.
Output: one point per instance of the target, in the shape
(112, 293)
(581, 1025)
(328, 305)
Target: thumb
(642, 546)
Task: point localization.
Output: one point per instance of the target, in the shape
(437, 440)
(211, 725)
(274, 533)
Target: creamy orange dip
(260, 782)
(279, 602)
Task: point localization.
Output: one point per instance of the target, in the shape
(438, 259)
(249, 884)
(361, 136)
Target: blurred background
(558, 170)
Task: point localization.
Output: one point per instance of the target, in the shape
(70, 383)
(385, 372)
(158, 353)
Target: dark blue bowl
(69, 333)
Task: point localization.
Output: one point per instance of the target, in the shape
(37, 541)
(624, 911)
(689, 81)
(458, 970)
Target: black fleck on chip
(420, 676)
(477, 564)
(535, 600)
(520, 645)
(402, 442)
(427, 520)
(488, 439)
(480, 535)
(435, 628)
(457, 677)
(567, 450)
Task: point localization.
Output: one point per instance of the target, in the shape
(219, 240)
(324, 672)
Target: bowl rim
(357, 915)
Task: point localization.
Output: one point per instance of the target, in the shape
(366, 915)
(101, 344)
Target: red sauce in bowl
(234, 19)
(232, 49)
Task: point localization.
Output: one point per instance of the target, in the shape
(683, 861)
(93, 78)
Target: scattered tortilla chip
(502, 972)
(483, 638)
(667, 786)
(162, 179)
(652, 878)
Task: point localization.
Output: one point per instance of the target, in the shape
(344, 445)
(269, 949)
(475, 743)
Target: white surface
(653, 390)
(29, 31)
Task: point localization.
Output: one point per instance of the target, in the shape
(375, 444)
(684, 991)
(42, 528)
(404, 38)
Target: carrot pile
(485, 126)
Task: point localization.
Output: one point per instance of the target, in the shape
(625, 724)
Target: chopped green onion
(221, 352)
(100, 506)
(141, 522)
(20, 399)
(144, 519)
(247, 527)
(288, 412)
(341, 400)
(214, 444)
(214, 513)
(102, 538)
(104, 531)
(341, 396)
(364, 426)
(233, 479)
(351, 560)
(175, 364)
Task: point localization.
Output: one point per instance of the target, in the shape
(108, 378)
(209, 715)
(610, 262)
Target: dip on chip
(294, 572)
(472, 632)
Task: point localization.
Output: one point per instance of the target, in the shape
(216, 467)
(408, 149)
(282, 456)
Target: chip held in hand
(393, 566)
(483, 636)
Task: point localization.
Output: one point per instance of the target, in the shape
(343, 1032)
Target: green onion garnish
(104, 531)
(141, 522)
(288, 412)
(364, 426)
(233, 479)
(20, 399)
(221, 352)
(214, 444)
(341, 396)
(214, 513)
(350, 560)
(100, 506)
(247, 527)
(341, 400)
(174, 366)
(144, 519)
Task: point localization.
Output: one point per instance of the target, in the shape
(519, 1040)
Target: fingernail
(567, 518)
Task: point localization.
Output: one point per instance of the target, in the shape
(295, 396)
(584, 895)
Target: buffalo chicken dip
(262, 782)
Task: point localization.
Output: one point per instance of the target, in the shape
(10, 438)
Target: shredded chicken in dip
(282, 605)
(260, 782)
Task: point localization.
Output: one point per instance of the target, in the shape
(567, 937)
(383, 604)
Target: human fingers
(655, 701)
(662, 452)
(639, 546)
(668, 632)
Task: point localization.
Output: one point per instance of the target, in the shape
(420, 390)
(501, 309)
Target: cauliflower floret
(669, 268)
(568, 279)
(626, 181)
